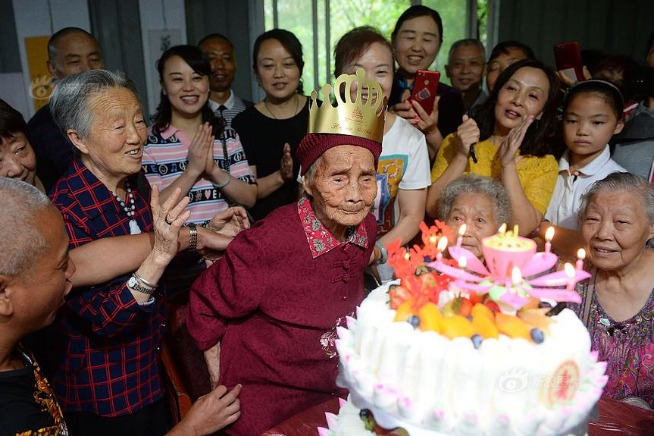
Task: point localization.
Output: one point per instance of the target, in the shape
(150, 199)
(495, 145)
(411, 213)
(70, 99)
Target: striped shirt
(166, 158)
(232, 107)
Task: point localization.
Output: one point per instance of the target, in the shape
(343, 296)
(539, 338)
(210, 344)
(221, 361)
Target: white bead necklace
(130, 210)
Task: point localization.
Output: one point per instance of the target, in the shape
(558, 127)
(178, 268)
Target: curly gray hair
(475, 184)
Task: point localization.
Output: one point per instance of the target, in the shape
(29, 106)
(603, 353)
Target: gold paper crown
(356, 118)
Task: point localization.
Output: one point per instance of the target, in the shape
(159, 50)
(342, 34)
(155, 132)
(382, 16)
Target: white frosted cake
(467, 351)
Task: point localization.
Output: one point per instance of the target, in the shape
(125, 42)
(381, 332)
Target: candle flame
(581, 254)
(442, 243)
(407, 256)
(569, 270)
(502, 229)
(462, 229)
(549, 234)
(516, 275)
(463, 262)
(432, 239)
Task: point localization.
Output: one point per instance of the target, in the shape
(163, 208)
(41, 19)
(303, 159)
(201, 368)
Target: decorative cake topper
(364, 116)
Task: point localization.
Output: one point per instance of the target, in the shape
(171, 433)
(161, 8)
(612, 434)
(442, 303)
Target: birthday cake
(458, 346)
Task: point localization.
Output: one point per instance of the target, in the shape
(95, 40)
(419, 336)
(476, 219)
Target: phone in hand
(568, 60)
(424, 88)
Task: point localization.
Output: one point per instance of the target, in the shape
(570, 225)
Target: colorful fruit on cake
(498, 301)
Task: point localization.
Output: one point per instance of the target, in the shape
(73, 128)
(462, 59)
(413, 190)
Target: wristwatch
(133, 284)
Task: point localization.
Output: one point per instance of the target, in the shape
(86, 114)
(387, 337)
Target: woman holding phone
(417, 39)
(403, 168)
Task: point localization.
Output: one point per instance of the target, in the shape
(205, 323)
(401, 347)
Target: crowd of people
(267, 217)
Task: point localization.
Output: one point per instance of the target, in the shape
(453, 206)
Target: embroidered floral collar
(320, 240)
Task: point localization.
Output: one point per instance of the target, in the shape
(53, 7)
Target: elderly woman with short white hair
(616, 219)
(479, 202)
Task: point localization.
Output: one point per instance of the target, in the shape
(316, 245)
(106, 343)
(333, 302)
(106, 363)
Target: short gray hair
(69, 101)
(626, 182)
(475, 184)
(22, 203)
(466, 42)
(311, 172)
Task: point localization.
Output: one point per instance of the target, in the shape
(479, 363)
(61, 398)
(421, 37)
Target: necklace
(297, 104)
(130, 210)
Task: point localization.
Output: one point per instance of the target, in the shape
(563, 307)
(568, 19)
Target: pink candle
(516, 279)
(570, 273)
(581, 255)
(462, 231)
(549, 234)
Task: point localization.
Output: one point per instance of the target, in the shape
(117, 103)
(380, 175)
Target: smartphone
(568, 60)
(424, 88)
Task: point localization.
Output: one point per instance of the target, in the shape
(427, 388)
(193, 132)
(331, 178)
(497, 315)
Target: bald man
(70, 50)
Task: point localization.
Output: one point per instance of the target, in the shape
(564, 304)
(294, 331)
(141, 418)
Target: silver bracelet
(145, 282)
(222, 185)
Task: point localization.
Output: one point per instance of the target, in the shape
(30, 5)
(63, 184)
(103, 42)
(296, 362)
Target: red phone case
(568, 60)
(424, 88)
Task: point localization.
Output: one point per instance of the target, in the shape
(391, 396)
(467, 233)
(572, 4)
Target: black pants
(153, 420)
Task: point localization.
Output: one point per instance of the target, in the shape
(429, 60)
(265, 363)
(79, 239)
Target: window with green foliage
(319, 24)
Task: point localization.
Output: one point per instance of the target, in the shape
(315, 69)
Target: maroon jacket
(274, 302)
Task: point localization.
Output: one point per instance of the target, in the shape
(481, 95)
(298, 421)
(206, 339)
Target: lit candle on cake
(462, 231)
(463, 262)
(502, 230)
(442, 245)
(549, 235)
(570, 273)
(581, 255)
(516, 278)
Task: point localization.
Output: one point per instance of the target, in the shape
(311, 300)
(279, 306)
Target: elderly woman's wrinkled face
(114, 147)
(477, 212)
(343, 187)
(615, 228)
(17, 159)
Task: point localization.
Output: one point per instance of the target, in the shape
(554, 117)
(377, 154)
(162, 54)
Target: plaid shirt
(107, 345)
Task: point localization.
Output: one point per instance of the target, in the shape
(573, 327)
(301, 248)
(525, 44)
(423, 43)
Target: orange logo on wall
(41, 84)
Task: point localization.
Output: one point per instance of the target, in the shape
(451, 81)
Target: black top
(450, 106)
(263, 140)
(28, 407)
(54, 152)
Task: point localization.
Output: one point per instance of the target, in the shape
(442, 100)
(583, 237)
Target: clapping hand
(511, 144)
(168, 218)
(230, 221)
(200, 152)
(286, 164)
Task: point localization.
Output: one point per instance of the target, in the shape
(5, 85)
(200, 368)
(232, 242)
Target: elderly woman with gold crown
(266, 314)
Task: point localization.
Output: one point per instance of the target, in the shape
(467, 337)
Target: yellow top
(537, 174)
